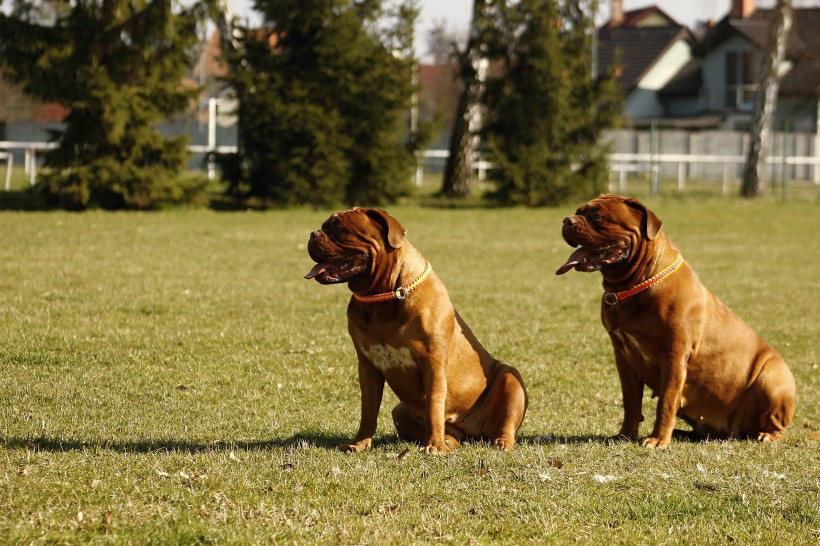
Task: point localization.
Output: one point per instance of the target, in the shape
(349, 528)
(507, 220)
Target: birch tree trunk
(468, 121)
(754, 172)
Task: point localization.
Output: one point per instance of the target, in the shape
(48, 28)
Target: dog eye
(594, 216)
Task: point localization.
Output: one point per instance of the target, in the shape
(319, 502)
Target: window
(741, 80)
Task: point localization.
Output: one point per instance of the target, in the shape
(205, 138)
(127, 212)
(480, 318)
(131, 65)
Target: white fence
(704, 155)
(623, 164)
(31, 149)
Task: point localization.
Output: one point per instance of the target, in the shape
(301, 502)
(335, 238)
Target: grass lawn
(170, 378)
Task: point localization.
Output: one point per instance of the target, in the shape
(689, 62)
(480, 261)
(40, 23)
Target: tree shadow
(25, 201)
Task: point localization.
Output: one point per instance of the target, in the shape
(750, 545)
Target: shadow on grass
(25, 200)
(313, 438)
(686, 436)
(321, 439)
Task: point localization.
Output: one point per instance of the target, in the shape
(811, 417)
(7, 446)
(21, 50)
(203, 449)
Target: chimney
(616, 16)
(742, 9)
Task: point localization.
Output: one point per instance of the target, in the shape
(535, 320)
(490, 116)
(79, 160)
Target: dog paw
(352, 447)
(504, 444)
(441, 446)
(769, 436)
(655, 443)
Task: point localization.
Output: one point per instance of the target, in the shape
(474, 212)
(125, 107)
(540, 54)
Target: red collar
(399, 293)
(611, 298)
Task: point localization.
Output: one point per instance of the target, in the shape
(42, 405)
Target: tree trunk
(754, 172)
(468, 121)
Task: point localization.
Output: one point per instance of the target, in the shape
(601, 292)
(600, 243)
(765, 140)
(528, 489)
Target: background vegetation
(547, 110)
(171, 378)
(324, 92)
(117, 66)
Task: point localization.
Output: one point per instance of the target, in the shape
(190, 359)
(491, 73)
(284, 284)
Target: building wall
(643, 102)
(713, 92)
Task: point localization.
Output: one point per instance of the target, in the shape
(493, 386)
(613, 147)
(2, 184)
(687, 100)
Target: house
(645, 48)
(721, 79)
(674, 77)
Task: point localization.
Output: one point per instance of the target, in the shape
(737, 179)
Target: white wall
(643, 101)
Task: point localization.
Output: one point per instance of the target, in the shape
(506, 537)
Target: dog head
(607, 231)
(350, 243)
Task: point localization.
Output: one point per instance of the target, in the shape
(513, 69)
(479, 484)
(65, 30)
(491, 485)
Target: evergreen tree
(118, 66)
(547, 111)
(324, 93)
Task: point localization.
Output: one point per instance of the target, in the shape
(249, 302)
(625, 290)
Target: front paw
(440, 446)
(504, 444)
(354, 446)
(655, 443)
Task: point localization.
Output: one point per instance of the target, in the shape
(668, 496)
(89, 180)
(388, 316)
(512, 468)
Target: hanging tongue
(576, 258)
(318, 269)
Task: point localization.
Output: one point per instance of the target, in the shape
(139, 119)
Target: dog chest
(637, 355)
(387, 358)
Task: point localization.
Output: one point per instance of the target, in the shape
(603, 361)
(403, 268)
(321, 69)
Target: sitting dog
(673, 335)
(406, 332)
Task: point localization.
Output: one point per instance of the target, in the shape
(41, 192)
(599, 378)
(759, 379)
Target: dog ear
(395, 231)
(650, 224)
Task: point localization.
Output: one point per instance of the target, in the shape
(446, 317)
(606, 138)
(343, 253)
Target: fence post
(654, 166)
(9, 167)
(815, 167)
(211, 138)
(681, 176)
(725, 179)
(33, 167)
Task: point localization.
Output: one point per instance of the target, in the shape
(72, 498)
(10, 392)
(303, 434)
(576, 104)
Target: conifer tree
(118, 66)
(547, 111)
(324, 93)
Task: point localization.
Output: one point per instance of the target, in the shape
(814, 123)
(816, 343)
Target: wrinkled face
(606, 232)
(348, 243)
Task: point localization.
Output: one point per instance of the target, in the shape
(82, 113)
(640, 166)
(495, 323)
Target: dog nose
(569, 220)
(314, 234)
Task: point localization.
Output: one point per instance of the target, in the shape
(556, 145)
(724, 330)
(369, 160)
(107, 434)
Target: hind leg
(504, 408)
(770, 403)
(411, 427)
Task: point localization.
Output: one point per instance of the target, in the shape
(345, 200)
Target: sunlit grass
(171, 378)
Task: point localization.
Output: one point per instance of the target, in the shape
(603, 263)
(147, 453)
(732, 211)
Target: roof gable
(643, 17)
(802, 48)
(636, 50)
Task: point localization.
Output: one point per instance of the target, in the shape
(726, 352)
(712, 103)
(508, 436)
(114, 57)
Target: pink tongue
(317, 270)
(573, 260)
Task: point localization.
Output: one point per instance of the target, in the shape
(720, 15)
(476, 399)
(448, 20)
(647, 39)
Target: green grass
(171, 378)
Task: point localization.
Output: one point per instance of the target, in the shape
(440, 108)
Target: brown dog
(673, 335)
(405, 331)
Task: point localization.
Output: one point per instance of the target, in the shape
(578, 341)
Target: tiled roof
(803, 47)
(636, 49)
(633, 18)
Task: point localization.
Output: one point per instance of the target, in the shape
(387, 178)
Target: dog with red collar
(407, 334)
(671, 334)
